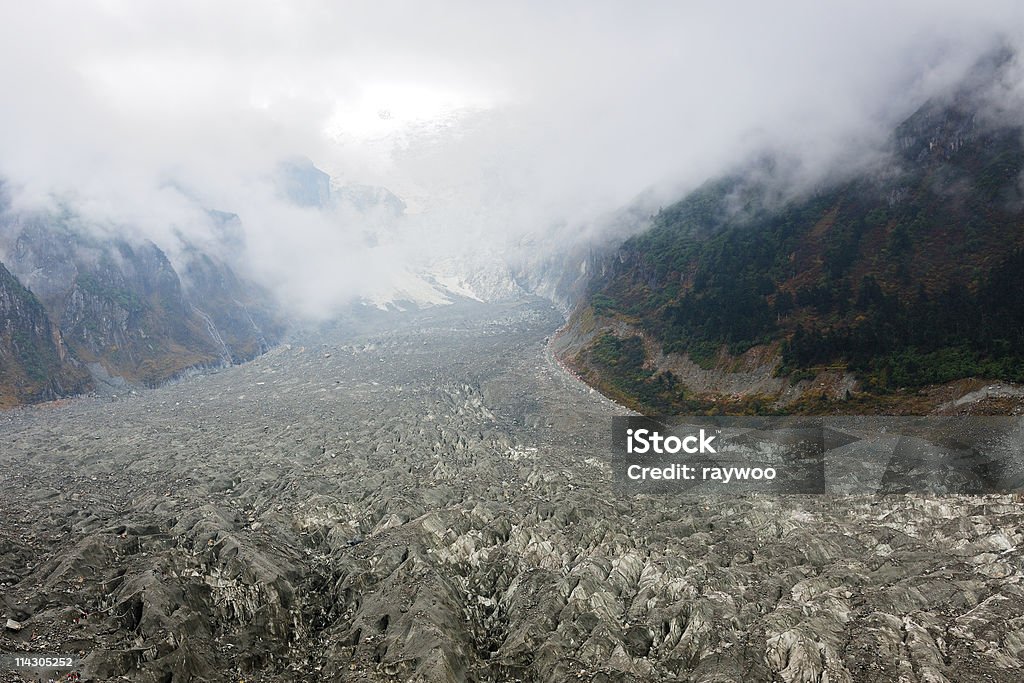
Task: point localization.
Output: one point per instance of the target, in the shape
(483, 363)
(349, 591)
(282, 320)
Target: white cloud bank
(495, 121)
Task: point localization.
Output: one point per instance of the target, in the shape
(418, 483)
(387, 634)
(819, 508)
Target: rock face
(370, 198)
(128, 311)
(562, 271)
(240, 315)
(430, 500)
(123, 307)
(304, 184)
(34, 362)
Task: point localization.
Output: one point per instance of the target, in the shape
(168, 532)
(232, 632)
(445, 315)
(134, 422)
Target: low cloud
(497, 124)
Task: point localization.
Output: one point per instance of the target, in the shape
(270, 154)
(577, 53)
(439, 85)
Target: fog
(497, 124)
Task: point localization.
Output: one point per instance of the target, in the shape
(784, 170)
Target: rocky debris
(466, 530)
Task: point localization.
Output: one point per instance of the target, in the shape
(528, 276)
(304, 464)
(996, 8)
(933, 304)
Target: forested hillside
(908, 276)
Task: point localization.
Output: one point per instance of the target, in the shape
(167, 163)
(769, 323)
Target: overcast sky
(492, 120)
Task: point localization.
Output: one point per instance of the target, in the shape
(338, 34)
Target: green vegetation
(30, 363)
(121, 296)
(912, 281)
(35, 355)
(927, 339)
(621, 361)
(622, 373)
(602, 303)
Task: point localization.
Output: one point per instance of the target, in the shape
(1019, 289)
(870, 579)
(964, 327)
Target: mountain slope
(123, 307)
(34, 362)
(239, 313)
(904, 279)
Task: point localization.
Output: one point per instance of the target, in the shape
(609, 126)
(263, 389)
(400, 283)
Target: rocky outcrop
(35, 364)
(239, 315)
(369, 198)
(303, 184)
(124, 308)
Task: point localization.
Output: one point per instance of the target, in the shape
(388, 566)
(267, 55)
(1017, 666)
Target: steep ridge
(34, 362)
(122, 308)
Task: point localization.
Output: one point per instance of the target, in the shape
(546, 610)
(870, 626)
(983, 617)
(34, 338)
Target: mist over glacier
(507, 132)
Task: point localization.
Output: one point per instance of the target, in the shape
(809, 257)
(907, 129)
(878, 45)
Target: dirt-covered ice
(431, 501)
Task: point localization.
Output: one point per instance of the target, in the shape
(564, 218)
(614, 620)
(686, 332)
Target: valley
(429, 499)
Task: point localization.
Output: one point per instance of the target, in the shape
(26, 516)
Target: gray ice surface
(430, 499)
